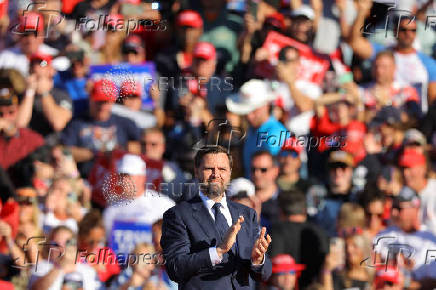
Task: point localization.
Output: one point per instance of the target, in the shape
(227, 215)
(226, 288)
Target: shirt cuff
(214, 257)
(261, 264)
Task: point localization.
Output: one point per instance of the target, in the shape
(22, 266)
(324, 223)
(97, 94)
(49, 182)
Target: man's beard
(212, 189)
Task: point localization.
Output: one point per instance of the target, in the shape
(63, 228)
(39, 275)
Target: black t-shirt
(99, 136)
(340, 283)
(39, 122)
(306, 242)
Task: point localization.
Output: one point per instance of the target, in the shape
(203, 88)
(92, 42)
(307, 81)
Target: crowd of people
(327, 107)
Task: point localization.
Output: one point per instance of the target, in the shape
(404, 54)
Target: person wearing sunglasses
(58, 267)
(409, 242)
(340, 167)
(375, 214)
(264, 171)
(290, 164)
(412, 67)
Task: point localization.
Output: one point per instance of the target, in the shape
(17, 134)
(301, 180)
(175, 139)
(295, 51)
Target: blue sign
(126, 234)
(142, 73)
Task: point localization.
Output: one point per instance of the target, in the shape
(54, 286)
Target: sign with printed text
(142, 73)
(126, 234)
(313, 65)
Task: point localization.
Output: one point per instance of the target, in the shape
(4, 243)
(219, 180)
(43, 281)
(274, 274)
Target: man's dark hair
(211, 150)
(265, 152)
(7, 189)
(370, 194)
(284, 51)
(292, 202)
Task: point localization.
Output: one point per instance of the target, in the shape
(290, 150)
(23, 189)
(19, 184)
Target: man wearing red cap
(100, 131)
(388, 278)
(130, 95)
(178, 58)
(30, 30)
(413, 165)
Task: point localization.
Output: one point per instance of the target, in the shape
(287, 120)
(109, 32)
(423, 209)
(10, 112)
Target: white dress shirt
(208, 203)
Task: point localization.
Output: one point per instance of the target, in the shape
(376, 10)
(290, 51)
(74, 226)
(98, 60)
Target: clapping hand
(260, 247)
(230, 237)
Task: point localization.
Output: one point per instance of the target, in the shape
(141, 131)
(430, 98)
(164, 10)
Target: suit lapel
(202, 216)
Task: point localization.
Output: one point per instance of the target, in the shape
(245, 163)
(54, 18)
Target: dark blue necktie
(220, 221)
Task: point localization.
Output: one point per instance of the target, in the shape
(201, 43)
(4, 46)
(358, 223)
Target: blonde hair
(351, 215)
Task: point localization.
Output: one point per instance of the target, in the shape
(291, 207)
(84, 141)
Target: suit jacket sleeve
(259, 273)
(181, 263)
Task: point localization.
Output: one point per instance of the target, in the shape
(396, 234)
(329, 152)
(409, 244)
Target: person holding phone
(59, 269)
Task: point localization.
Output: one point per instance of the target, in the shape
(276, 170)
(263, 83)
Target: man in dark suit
(211, 242)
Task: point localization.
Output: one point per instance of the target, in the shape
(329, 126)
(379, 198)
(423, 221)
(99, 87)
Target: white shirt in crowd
(142, 119)
(13, 58)
(428, 206)
(299, 122)
(50, 222)
(147, 209)
(84, 275)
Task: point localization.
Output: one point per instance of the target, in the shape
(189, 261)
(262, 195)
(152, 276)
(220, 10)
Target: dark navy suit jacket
(188, 232)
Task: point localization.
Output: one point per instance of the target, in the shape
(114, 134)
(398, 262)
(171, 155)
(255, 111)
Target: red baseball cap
(129, 88)
(204, 50)
(386, 274)
(276, 19)
(189, 18)
(292, 144)
(285, 263)
(41, 57)
(104, 90)
(30, 22)
(411, 158)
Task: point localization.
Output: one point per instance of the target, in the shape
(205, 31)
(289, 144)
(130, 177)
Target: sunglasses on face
(262, 169)
(348, 232)
(287, 153)
(284, 273)
(70, 242)
(152, 144)
(371, 214)
(402, 29)
(288, 61)
(338, 165)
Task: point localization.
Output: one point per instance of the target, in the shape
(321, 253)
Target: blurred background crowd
(328, 108)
